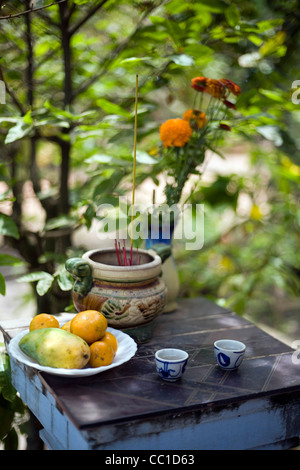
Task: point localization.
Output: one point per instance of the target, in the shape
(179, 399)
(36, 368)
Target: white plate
(126, 350)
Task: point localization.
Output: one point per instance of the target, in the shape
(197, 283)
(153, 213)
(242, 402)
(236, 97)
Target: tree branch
(29, 71)
(88, 15)
(16, 15)
(65, 146)
(33, 169)
(66, 49)
(47, 19)
(108, 60)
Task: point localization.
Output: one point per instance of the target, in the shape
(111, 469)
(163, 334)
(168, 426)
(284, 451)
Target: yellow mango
(54, 347)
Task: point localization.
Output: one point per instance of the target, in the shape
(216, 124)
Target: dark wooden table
(130, 407)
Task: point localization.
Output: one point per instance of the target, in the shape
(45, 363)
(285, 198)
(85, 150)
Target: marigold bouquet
(185, 140)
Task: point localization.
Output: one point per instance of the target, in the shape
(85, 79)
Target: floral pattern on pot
(124, 307)
(128, 296)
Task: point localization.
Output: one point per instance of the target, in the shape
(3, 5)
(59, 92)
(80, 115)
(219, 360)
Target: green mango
(54, 347)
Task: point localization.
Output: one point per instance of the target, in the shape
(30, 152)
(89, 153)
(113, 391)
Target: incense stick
(121, 251)
(134, 156)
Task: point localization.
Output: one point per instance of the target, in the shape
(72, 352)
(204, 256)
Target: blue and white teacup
(170, 363)
(229, 353)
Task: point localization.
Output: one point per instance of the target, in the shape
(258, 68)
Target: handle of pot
(82, 272)
(162, 250)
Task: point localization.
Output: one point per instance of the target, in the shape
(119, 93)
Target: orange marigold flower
(215, 87)
(198, 83)
(175, 133)
(231, 86)
(193, 116)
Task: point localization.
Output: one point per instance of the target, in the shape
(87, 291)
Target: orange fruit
(43, 320)
(112, 340)
(90, 325)
(66, 326)
(102, 354)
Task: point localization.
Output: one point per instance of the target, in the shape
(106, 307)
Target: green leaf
(255, 39)
(272, 46)
(17, 132)
(6, 388)
(61, 117)
(8, 260)
(27, 118)
(183, 59)
(216, 6)
(108, 185)
(33, 277)
(269, 24)
(271, 133)
(99, 158)
(8, 227)
(135, 59)
(111, 108)
(8, 119)
(198, 51)
(106, 159)
(232, 15)
(289, 147)
(44, 281)
(59, 113)
(232, 40)
(53, 121)
(2, 285)
(65, 280)
(145, 158)
(60, 222)
(157, 19)
(273, 95)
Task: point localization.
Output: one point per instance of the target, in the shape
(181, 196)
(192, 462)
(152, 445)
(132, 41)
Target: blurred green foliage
(67, 127)
(12, 409)
(245, 262)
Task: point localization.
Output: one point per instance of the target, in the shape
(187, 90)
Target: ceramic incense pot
(130, 297)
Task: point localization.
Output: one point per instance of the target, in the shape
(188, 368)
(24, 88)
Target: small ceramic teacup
(170, 363)
(229, 353)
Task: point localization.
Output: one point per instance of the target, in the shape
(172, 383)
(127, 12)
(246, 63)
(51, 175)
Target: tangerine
(102, 354)
(66, 326)
(90, 325)
(112, 340)
(43, 320)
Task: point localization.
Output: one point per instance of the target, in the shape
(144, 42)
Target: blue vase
(160, 235)
(161, 243)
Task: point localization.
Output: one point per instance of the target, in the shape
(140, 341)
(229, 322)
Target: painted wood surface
(130, 407)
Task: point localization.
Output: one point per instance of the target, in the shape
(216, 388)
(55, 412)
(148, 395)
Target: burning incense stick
(121, 252)
(134, 155)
